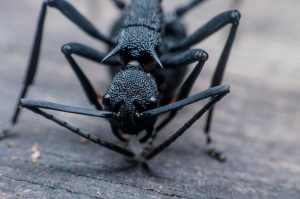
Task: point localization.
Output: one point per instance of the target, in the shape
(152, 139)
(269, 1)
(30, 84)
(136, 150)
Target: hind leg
(73, 15)
(230, 17)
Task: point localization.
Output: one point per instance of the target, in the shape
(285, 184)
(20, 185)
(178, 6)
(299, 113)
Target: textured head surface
(132, 84)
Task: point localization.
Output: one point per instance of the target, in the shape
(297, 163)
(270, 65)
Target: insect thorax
(140, 35)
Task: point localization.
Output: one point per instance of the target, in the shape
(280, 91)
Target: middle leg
(179, 59)
(89, 53)
(229, 17)
(185, 58)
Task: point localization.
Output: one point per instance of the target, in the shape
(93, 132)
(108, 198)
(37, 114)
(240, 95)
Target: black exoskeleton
(140, 34)
(132, 92)
(148, 58)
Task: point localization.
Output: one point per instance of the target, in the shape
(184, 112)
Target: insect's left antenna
(217, 90)
(28, 103)
(35, 106)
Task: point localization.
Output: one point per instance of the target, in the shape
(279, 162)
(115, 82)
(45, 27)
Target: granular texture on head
(130, 84)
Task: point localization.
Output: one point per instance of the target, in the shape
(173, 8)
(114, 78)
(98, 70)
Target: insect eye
(138, 106)
(118, 105)
(106, 100)
(137, 116)
(153, 101)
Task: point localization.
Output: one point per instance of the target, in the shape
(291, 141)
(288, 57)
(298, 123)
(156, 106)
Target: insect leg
(117, 133)
(186, 8)
(219, 71)
(179, 59)
(87, 52)
(36, 105)
(230, 17)
(148, 135)
(119, 3)
(31, 68)
(217, 93)
(70, 12)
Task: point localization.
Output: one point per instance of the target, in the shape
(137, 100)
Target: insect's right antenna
(217, 93)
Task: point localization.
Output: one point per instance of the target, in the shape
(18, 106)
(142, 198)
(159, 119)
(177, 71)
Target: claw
(217, 155)
(7, 128)
(147, 149)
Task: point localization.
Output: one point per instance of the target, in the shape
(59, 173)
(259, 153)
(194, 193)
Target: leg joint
(66, 49)
(50, 2)
(235, 16)
(201, 55)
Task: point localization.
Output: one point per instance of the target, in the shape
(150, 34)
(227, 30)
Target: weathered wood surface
(257, 125)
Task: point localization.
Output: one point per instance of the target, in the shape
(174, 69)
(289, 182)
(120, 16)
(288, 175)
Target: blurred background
(257, 125)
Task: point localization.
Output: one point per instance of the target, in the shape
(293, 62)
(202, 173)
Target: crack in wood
(49, 186)
(97, 179)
